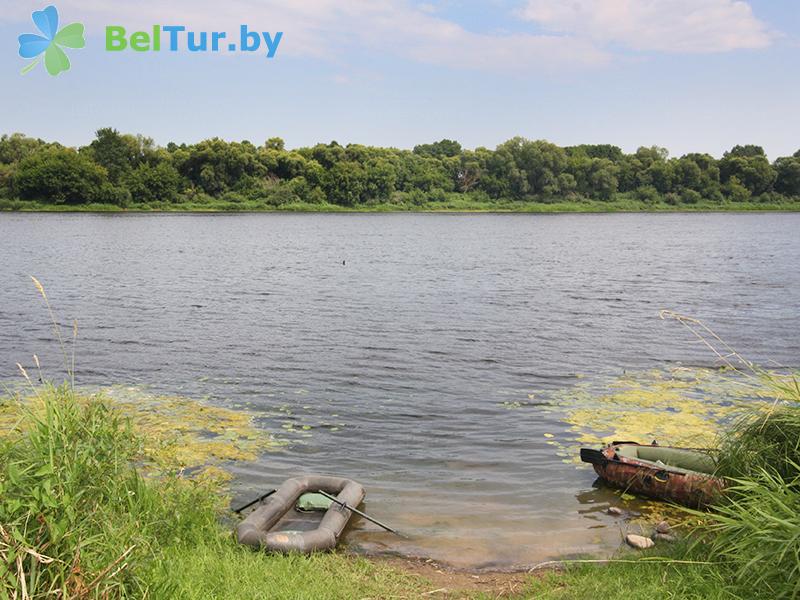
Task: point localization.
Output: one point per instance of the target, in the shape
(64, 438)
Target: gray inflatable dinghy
(278, 526)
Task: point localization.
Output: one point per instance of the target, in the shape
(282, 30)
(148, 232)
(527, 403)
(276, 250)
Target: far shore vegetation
(124, 172)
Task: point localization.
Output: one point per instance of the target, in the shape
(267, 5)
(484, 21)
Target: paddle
(259, 499)
(361, 514)
(595, 457)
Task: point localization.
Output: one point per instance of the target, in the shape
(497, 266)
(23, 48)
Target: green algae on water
(677, 407)
(176, 432)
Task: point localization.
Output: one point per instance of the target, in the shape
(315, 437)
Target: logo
(179, 37)
(51, 42)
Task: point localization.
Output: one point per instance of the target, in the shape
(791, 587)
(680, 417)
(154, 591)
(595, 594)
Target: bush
(157, 183)
(690, 196)
(59, 175)
(6, 204)
(735, 191)
(113, 194)
(233, 198)
(647, 194)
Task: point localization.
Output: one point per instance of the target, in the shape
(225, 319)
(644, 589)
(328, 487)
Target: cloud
(688, 26)
(577, 34)
(333, 29)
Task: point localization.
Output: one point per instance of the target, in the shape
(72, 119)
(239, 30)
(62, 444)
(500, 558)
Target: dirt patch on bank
(446, 582)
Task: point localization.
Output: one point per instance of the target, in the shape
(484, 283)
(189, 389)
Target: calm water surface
(400, 337)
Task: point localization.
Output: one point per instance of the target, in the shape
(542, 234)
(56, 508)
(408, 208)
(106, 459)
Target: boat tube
(259, 528)
(681, 475)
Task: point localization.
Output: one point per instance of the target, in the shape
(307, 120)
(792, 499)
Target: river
(420, 349)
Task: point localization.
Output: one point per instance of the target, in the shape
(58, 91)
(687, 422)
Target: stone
(613, 510)
(665, 537)
(663, 527)
(639, 541)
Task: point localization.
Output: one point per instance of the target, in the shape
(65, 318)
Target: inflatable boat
(681, 475)
(297, 519)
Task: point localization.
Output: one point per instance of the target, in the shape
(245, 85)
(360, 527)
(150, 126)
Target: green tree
(747, 151)
(60, 176)
(787, 170)
(381, 179)
(217, 166)
(440, 149)
(275, 143)
(345, 183)
(749, 165)
(118, 153)
(15, 147)
(595, 177)
(662, 175)
(154, 183)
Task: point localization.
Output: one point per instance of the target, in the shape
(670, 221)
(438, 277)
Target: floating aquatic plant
(678, 407)
(176, 432)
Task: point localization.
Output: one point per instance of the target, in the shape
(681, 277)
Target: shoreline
(535, 210)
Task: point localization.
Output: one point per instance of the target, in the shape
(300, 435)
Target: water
(399, 338)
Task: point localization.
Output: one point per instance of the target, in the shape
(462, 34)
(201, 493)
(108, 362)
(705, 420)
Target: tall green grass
(755, 529)
(78, 521)
(763, 441)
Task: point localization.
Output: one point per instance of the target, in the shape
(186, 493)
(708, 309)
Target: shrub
(690, 196)
(647, 194)
(113, 194)
(59, 175)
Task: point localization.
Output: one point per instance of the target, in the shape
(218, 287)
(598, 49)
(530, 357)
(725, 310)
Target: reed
(755, 529)
(78, 521)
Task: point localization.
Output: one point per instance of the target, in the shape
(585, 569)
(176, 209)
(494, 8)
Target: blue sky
(690, 75)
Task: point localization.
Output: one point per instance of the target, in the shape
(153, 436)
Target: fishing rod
(361, 514)
(259, 499)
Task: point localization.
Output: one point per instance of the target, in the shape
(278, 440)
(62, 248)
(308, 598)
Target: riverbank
(588, 206)
(84, 514)
(92, 506)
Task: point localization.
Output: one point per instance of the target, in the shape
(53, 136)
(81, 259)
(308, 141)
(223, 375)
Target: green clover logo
(50, 42)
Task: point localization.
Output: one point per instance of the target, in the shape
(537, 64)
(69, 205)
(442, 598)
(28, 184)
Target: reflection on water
(444, 366)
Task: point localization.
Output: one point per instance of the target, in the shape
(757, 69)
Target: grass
(456, 204)
(763, 442)
(79, 521)
(638, 580)
(238, 573)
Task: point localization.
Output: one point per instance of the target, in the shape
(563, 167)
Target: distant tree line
(130, 170)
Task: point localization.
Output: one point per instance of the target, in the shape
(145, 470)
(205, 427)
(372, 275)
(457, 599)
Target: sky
(688, 75)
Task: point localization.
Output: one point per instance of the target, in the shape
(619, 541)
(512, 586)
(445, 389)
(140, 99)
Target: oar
(592, 456)
(259, 499)
(361, 514)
